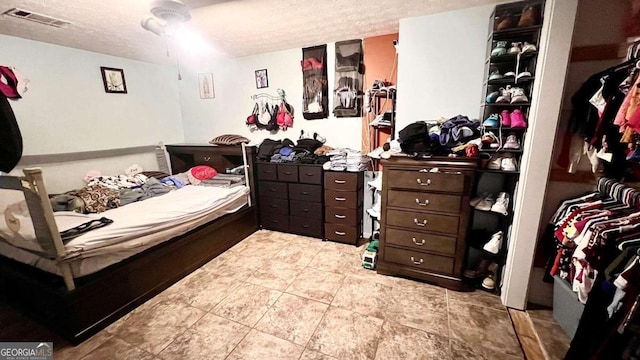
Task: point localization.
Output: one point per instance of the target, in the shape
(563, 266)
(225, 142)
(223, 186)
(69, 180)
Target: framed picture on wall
(262, 81)
(113, 80)
(205, 83)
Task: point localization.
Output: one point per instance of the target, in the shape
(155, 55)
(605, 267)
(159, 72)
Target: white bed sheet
(139, 226)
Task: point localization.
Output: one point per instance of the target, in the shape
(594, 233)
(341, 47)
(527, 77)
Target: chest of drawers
(424, 220)
(290, 198)
(343, 199)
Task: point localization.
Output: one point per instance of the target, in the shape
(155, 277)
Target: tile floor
(282, 296)
(553, 339)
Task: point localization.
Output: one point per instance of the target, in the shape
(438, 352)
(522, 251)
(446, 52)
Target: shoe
(486, 203)
(500, 49)
(502, 204)
(491, 121)
(495, 163)
(482, 269)
(505, 95)
(493, 245)
(516, 48)
(524, 74)
(489, 283)
(527, 47)
(506, 118)
(517, 120)
(489, 138)
(476, 200)
(495, 75)
(484, 160)
(512, 142)
(517, 96)
(491, 98)
(530, 16)
(505, 22)
(508, 164)
(510, 74)
(471, 151)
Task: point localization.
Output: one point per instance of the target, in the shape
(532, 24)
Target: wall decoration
(113, 80)
(315, 89)
(262, 81)
(347, 93)
(205, 84)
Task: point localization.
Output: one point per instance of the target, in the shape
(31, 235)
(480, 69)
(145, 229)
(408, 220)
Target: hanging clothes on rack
(271, 113)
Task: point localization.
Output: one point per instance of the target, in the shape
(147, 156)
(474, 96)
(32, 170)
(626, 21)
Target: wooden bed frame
(101, 298)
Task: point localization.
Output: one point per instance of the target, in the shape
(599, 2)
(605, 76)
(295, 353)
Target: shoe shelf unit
(382, 118)
(512, 52)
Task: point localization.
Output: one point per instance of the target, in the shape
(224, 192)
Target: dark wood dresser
(290, 198)
(425, 216)
(343, 199)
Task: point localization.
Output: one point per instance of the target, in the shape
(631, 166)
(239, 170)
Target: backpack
(415, 139)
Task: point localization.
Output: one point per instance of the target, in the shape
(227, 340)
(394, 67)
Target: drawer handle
(305, 226)
(305, 210)
(273, 189)
(268, 171)
(340, 233)
(274, 206)
(339, 181)
(309, 174)
(423, 223)
(425, 203)
(287, 172)
(424, 183)
(305, 193)
(275, 221)
(424, 170)
(418, 243)
(206, 158)
(340, 199)
(340, 216)
(419, 262)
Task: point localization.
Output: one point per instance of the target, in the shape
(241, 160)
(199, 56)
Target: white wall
(67, 110)
(234, 84)
(441, 64)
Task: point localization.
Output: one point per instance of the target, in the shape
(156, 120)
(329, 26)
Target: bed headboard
(182, 157)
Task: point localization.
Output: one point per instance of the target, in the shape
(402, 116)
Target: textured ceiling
(232, 28)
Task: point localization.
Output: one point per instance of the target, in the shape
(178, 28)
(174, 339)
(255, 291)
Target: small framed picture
(262, 81)
(113, 80)
(205, 83)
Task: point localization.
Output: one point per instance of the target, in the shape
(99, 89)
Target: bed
(79, 287)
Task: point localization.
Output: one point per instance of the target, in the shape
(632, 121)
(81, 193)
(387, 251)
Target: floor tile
(478, 297)
(275, 275)
(314, 355)
(155, 327)
(296, 255)
(292, 318)
(419, 306)
(463, 350)
(367, 298)
(335, 261)
(17, 327)
(402, 342)
(482, 326)
(540, 312)
(554, 340)
(247, 304)
(71, 352)
(212, 337)
(117, 349)
(316, 285)
(346, 335)
(258, 345)
(203, 291)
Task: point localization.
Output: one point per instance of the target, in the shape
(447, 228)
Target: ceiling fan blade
(194, 4)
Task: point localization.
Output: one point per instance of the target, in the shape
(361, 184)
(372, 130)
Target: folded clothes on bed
(153, 187)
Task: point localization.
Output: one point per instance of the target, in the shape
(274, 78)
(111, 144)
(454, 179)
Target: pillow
(228, 139)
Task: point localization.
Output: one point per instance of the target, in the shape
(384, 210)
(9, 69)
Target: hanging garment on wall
(347, 93)
(10, 137)
(315, 86)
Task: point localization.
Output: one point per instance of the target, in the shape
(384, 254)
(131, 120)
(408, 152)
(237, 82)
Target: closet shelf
(504, 128)
(510, 81)
(506, 105)
(490, 212)
(501, 150)
(499, 171)
(510, 33)
(511, 58)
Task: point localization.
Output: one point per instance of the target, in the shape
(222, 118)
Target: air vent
(39, 18)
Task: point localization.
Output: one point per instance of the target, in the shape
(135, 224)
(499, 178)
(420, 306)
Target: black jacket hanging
(10, 137)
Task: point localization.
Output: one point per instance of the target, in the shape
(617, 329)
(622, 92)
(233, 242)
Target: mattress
(135, 228)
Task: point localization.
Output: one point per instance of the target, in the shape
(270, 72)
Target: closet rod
(281, 96)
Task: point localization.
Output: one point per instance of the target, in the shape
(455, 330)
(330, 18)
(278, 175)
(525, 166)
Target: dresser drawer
(342, 233)
(425, 181)
(424, 201)
(274, 221)
(274, 205)
(204, 158)
(305, 226)
(342, 216)
(414, 259)
(288, 173)
(347, 181)
(267, 172)
(273, 189)
(310, 174)
(423, 222)
(421, 241)
(345, 199)
(305, 192)
(306, 209)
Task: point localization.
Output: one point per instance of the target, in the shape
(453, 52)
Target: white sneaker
(502, 204)
(518, 95)
(512, 142)
(508, 164)
(493, 246)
